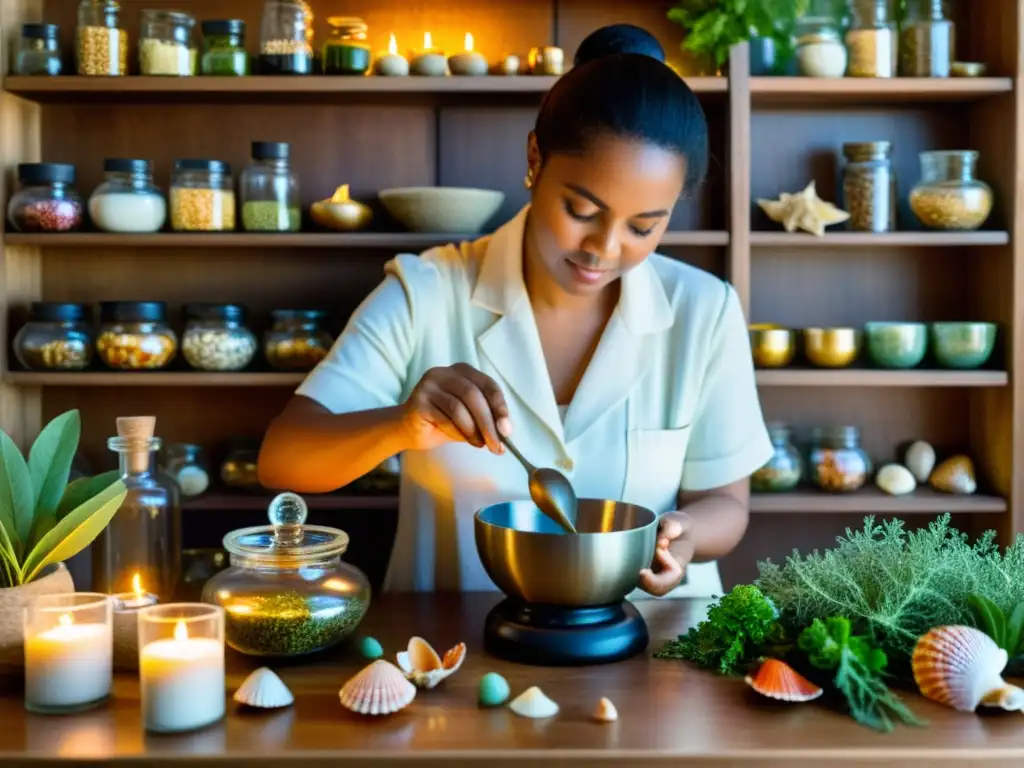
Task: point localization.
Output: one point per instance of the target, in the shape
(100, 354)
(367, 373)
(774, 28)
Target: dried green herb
(290, 624)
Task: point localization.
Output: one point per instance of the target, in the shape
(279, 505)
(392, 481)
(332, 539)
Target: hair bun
(619, 38)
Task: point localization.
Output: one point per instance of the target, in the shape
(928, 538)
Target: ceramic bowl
(773, 346)
(896, 345)
(448, 210)
(832, 347)
(963, 345)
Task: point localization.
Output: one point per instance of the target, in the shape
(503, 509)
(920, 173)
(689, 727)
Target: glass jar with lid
(948, 196)
(38, 50)
(270, 190)
(224, 48)
(838, 463)
(216, 337)
(927, 40)
(135, 335)
(286, 46)
(872, 40)
(101, 42)
(127, 200)
(819, 42)
(869, 186)
(46, 200)
(287, 591)
(346, 52)
(297, 339)
(239, 468)
(202, 196)
(166, 46)
(185, 463)
(57, 337)
(784, 470)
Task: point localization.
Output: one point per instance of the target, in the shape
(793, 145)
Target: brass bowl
(773, 346)
(832, 347)
(341, 212)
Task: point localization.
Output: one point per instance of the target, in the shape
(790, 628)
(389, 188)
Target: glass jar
(46, 200)
(239, 468)
(202, 196)
(216, 338)
(270, 190)
(838, 463)
(926, 40)
(127, 200)
(286, 46)
(101, 43)
(224, 48)
(38, 50)
(57, 337)
(948, 196)
(346, 52)
(872, 40)
(297, 340)
(185, 463)
(783, 471)
(869, 186)
(135, 336)
(821, 53)
(287, 591)
(166, 46)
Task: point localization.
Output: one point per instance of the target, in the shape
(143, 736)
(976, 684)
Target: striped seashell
(961, 667)
(379, 689)
(424, 667)
(777, 680)
(265, 690)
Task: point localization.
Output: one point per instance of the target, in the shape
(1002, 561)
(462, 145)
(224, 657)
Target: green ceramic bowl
(896, 345)
(963, 345)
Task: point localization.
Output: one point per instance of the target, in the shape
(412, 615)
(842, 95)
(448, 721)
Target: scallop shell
(533, 703)
(777, 680)
(378, 689)
(896, 480)
(424, 667)
(955, 475)
(605, 712)
(264, 689)
(961, 667)
(920, 460)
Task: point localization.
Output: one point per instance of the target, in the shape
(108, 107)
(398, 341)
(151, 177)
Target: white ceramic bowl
(442, 209)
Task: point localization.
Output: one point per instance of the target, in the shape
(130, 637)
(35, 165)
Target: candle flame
(469, 41)
(180, 631)
(340, 194)
(65, 619)
(393, 45)
(428, 42)
(137, 585)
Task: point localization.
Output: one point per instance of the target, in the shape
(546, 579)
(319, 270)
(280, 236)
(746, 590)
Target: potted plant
(44, 520)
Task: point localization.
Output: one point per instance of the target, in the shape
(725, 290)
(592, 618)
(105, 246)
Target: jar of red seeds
(46, 200)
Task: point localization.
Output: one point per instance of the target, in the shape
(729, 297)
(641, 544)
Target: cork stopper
(137, 432)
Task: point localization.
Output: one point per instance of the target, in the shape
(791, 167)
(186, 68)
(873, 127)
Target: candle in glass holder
(126, 606)
(548, 60)
(68, 652)
(181, 666)
(469, 62)
(430, 61)
(391, 63)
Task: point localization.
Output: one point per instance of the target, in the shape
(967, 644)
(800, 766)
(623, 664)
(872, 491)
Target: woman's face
(595, 216)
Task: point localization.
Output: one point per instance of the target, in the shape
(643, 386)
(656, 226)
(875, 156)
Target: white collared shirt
(668, 401)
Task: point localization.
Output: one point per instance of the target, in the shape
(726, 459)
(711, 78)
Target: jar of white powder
(127, 200)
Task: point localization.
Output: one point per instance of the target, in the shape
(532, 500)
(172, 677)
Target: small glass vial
(216, 338)
(46, 200)
(872, 40)
(57, 337)
(949, 196)
(102, 44)
(838, 463)
(926, 40)
(127, 200)
(784, 470)
(135, 336)
(286, 38)
(297, 340)
(165, 44)
(224, 51)
(270, 190)
(38, 50)
(202, 196)
(346, 52)
(185, 463)
(869, 186)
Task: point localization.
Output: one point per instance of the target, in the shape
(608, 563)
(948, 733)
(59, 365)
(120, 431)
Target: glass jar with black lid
(224, 48)
(57, 337)
(135, 335)
(47, 200)
(270, 190)
(346, 52)
(101, 41)
(285, 38)
(166, 46)
(216, 337)
(127, 200)
(38, 50)
(297, 340)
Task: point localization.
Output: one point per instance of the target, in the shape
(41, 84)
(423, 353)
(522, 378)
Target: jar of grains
(871, 40)
(269, 190)
(297, 340)
(286, 38)
(869, 186)
(224, 48)
(38, 50)
(346, 52)
(127, 200)
(927, 40)
(57, 337)
(165, 43)
(102, 45)
(135, 336)
(948, 195)
(202, 196)
(821, 53)
(46, 200)
(216, 338)
(837, 462)
(783, 471)
(185, 463)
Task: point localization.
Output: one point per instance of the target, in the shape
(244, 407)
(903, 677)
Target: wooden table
(670, 714)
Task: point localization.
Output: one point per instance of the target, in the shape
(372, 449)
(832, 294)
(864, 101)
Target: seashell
(920, 460)
(896, 480)
(605, 712)
(962, 667)
(264, 689)
(493, 690)
(955, 475)
(424, 667)
(533, 703)
(379, 689)
(777, 680)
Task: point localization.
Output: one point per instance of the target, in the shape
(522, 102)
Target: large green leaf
(76, 531)
(10, 569)
(17, 499)
(49, 461)
(82, 489)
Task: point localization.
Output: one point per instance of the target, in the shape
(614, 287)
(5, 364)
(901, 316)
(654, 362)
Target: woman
(629, 371)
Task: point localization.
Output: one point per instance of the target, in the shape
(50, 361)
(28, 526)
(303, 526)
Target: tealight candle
(181, 666)
(68, 652)
(429, 62)
(391, 63)
(469, 62)
(126, 606)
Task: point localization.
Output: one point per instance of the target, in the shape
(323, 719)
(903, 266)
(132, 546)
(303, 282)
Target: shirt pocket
(654, 467)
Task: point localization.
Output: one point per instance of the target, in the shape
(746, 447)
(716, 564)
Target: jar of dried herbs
(927, 40)
(224, 48)
(837, 463)
(783, 471)
(869, 186)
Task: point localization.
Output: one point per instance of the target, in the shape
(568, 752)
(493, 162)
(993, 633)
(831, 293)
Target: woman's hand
(456, 403)
(667, 571)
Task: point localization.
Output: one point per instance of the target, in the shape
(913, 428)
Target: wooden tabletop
(670, 714)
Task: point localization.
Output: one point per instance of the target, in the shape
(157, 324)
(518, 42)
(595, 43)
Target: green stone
(494, 690)
(370, 648)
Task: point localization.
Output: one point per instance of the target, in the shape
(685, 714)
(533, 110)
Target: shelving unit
(769, 135)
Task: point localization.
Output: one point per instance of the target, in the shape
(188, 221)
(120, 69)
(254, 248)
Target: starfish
(803, 210)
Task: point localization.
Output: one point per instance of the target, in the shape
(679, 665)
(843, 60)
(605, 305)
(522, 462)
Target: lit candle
(469, 62)
(391, 63)
(430, 61)
(126, 623)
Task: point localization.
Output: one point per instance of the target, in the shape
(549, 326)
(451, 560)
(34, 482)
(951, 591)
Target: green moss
(290, 624)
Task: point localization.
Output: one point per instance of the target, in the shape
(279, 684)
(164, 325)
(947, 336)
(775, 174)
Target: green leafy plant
(1006, 631)
(43, 519)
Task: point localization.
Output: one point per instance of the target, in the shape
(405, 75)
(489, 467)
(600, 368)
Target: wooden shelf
(868, 240)
(871, 500)
(218, 501)
(869, 377)
(153, 379)
(801, 91)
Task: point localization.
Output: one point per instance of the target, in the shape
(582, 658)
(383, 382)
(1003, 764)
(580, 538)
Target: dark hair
(620, 86)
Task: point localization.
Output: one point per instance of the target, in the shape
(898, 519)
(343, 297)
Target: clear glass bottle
(186, 464)
(224, 48)
(216, 337)
(838, 463)
(287, 591)
(270, 190)
(135, 336)
(872, 41)
(238, 470)
(784, 470)
(127, 200)
(346, 52)
(57, 337)
(927, 40)
(297, 340)
(46, 200)
(166, 46)
(38, 50)
(101, 42)
(202, 196)
(948, 196)
(286, 46)
(869, 186)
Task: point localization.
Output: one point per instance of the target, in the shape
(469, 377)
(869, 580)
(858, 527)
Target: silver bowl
(529, 557)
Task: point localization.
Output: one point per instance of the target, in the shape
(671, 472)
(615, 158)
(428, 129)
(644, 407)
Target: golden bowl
(832, 347)
(341, 212)
(773, 346)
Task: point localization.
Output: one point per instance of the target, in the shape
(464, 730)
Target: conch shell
(424, 667)
(263, 689)
(379, 689)
(341, 212)
(803, 210)
(533, 703)
(955, 475)
(777, 680)
(962, 667)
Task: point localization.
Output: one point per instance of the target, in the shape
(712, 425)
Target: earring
(528, 181)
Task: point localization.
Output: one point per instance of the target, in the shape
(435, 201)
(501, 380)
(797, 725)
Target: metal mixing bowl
(529, 557)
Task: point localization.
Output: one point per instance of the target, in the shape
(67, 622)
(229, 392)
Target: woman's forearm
(718, 524)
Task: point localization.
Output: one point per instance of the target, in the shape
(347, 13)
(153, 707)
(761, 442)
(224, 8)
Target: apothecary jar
(837, 462)
(297, 340)
(46, 200)
(57, 337)
(216, 337)
(101, 41)
(127, 200)
(38, 50)
(784, 470)
(135, 335)
(948, 195)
